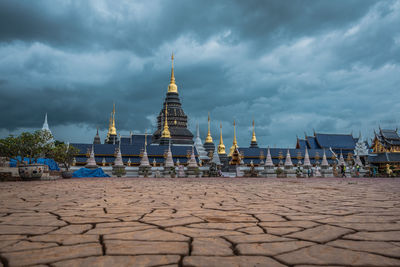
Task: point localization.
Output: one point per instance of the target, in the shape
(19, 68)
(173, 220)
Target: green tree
(29, 145)
(64, 154)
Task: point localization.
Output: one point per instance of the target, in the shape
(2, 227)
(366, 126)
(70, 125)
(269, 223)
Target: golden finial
(172, 87)
(111, 127)
(209, 138)
(254, 139)
(234, 145)
(221, 146)
(165, 132)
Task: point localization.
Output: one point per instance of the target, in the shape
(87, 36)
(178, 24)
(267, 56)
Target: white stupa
(288, 160)
(307, 162)
(268, 161)
(45, 126)
(199, 146)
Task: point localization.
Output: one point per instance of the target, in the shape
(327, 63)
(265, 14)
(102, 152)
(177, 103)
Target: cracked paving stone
(322, 233)
(222, 226)
(175, 221)
(80, 220)
(370, 227)
(211, 246)
(251, 230)
(116, 230)
(73, 229)
(230, 261)
(47, 255)
(120, 224)
(383, 248)
(140, 261)
(302, 224)
(125, 247)
(34, 221)
(282, 231)
(270, 218)
(197, 232)
(324, 255)
(271, 249)
(25, 230)
(149, 235)
(259, 238)
(66, 239)
(26, 245)
(375, 236)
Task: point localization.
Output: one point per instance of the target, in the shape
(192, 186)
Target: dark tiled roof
(345, 141)
(390, 134)
(302, 143)
(255, 152)
(384, 157)
(312, 144)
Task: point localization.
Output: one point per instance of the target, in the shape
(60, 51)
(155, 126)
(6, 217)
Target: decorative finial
(165, 132)
(172, 87)
(221, 146)
(145, 141)
(254, 139)
(234, 145)
(209, 138)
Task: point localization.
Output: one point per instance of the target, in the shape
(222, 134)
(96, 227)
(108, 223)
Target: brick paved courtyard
(201, 222)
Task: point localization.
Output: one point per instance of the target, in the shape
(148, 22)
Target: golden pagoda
(172, 87)
(221, 146)
(165, 132)
(253, 138)
(112, 131)
(209, 137)
(234, 145)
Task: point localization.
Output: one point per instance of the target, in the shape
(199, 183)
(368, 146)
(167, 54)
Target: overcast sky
(293, 66)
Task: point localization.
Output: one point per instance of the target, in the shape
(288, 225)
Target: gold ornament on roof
(234, 145)
(221, 146)
(172, 87)
(254, 139)
(209, 138)
(165, 132)
(111, 127)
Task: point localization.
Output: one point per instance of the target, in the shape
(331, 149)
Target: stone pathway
(200, 222)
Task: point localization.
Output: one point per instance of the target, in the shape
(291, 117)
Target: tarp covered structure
(85, 172)
(53, 166)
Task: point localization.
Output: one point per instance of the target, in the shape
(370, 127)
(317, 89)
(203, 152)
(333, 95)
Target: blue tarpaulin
(53, 166)
(85, 172)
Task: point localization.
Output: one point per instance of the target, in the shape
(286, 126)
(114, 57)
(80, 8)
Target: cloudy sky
(293, 66)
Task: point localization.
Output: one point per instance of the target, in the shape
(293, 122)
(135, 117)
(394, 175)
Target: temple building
(338, 143)
(385, 149)
(172, 118)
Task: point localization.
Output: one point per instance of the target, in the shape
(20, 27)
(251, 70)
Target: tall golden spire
(172, 88)
(221, 146)
(209, 138)
(165, 132)
(111, 127)
(254, 139)
(234, 145)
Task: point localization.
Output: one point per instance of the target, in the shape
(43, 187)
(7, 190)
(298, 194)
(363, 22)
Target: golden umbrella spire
(209, 138)
(172, 87)
(234, 145)
(111, 128)
(221, 146)
(254, 139)
(165, 132)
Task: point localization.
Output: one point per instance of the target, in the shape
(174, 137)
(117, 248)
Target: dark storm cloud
(291, 65)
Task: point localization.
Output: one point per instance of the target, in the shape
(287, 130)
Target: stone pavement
(200, 222)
